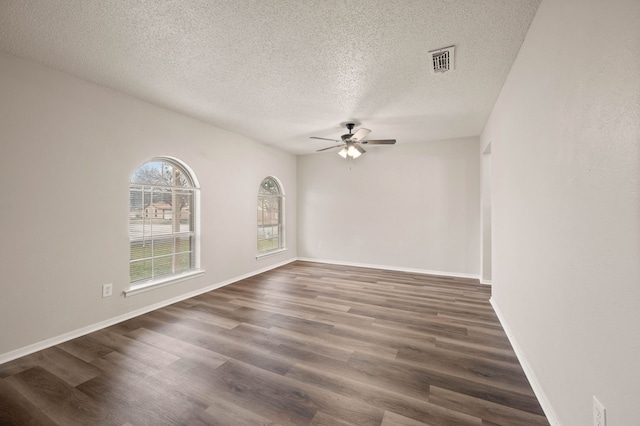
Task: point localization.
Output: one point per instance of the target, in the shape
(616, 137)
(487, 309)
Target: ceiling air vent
(442, 60)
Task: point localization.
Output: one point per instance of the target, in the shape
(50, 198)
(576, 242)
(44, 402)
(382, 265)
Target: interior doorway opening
(486, 274)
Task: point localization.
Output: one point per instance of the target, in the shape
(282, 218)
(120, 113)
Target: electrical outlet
(320, 245)
(599, 413)
(107, 290)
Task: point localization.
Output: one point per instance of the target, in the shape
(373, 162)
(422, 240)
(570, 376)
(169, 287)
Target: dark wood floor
(304, 344)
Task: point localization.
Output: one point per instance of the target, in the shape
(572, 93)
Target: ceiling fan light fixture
(352, 151)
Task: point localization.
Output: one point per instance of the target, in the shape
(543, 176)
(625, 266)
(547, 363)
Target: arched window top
(270, 186)
(164, 172)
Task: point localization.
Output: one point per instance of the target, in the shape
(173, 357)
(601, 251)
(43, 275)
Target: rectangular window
(161, 231)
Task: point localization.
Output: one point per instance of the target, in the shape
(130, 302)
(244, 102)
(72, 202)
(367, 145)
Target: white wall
(411, 206)
(565, 142)
(67, 151)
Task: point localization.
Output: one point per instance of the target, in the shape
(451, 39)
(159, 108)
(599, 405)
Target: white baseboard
(528, 371)
(44, 344)
(487, 282)
(392, 268)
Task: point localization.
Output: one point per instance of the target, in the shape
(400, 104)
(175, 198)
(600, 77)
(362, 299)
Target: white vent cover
(442, 60)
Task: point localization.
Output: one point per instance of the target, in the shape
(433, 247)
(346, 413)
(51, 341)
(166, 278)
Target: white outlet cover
(107, 290)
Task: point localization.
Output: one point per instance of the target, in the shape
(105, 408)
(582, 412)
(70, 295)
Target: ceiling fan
(351, 143)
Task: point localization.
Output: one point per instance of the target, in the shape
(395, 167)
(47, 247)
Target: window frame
(279, 198)
(174, 236)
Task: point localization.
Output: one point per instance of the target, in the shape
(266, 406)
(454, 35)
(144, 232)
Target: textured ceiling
(279, 71)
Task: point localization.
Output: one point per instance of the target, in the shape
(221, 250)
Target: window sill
(270, 253)
(163, 282)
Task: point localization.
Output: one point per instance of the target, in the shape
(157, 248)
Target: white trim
(44, 344)
(270, 253)
(163, 282)
(487, 282)
(528, 371)
(393, 268)
(194, 212)
(282, 225)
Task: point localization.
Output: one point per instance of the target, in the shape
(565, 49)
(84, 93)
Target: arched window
(162, 221)
(270, 216)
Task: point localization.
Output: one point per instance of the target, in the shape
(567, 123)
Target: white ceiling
(280, 71)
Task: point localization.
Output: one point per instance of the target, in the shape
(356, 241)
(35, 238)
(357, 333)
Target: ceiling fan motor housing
(349, 126)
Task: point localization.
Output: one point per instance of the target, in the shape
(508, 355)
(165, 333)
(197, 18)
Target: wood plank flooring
(304, 344)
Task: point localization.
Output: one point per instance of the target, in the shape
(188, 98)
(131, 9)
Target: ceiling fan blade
(380, 142)
(324, 139)
(360, 134)
(331, 147)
